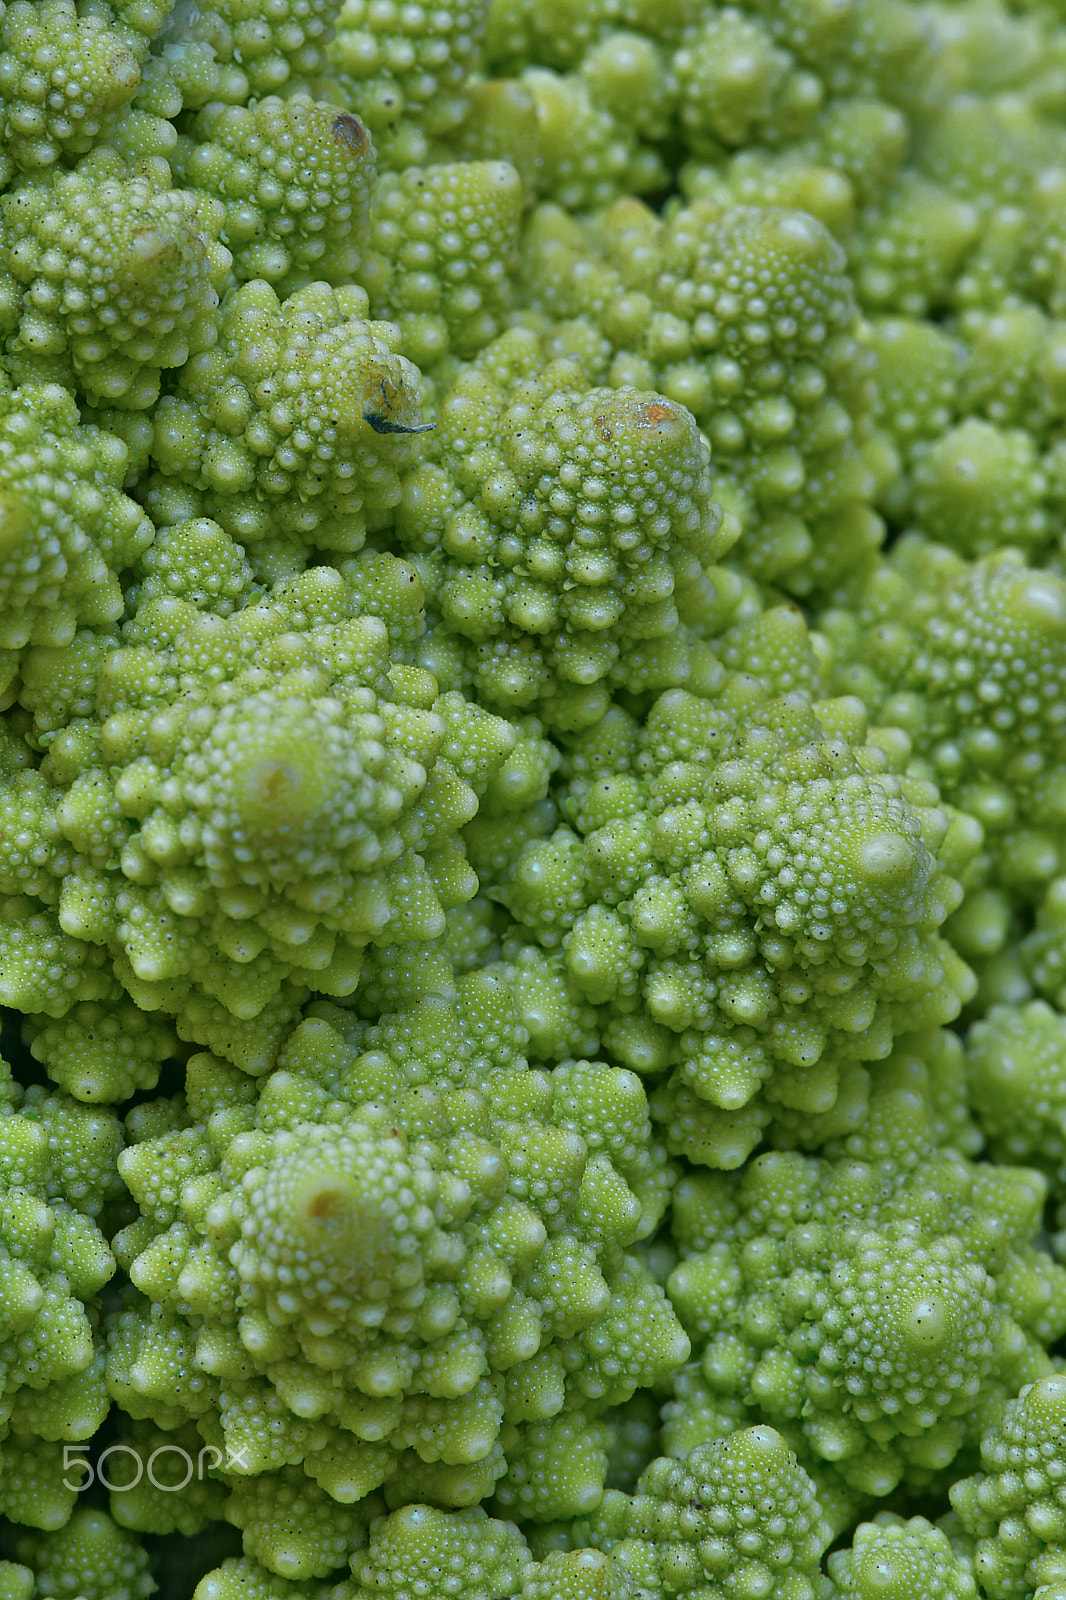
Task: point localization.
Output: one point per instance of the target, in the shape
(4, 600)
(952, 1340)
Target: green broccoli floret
(468, 1554)
(66, 78)
(1011, 1506)
(220, 804)
(738, 1517)
(409, 68)
(967, 659)
(293, 1527)
(117, 277)
(16, 1581)
(241, 1579)
(1015, 1069)
(195, 560)
(57, 1170)
(66, 527)
(295, 177)
(460, 1256)
(746, 315)
(750, 878)
(859, 1293)
(445, 250)
(280, 48)
(904, 1560)
(296, 422)
(89, 1559)
(568, 533)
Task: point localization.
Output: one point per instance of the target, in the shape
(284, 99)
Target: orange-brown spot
(347, 129)
(657, 411)
(150, 246)
(325, 1205)
(275, 783)
(123, 70)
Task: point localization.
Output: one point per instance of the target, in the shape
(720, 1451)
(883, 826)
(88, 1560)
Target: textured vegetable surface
(532, 800)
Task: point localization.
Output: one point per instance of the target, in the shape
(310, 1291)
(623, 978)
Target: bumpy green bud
(740, 1510)
(334, 1226)
(910, 251)
(908, 1329)
(418, 1545)
(567, 547)
(1011, 1506)
(406, 1202)
(292, 1526)
(295, 177)
(1015, 1071)
(291, 847)
(89, 1558)
(284, 48)
(446, 248)
(64, 79)
(195, 560)
(919, 373)
(406, 68)
(889, 1256)
(727, 873)
(577, 1575)
(979, 487)
(297, 423)
(737, 87)
(16, 1581)
(744, 314)
(586, 155)
(119, 277)
(968, 660)
(865, 141)
(901, 1561)
(66, 529)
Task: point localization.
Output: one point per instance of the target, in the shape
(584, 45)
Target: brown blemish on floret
(347, 129)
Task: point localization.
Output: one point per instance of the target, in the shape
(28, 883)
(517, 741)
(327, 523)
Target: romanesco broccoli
(532, 800)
